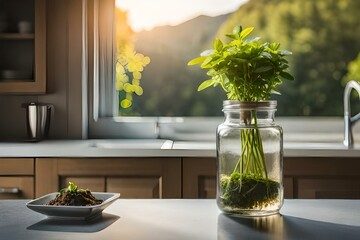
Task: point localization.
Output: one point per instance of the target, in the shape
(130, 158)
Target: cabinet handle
(9, 190)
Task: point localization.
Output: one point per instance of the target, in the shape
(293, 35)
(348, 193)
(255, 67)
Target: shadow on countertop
(281, 227)
(61, 225)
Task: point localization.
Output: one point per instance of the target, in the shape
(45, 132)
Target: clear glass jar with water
(249, 159)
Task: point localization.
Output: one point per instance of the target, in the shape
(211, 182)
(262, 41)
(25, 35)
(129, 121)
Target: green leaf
(266, 54)
(250, 40)
(285, 52)
(207, 61)
(263, 69)
(218, 45)
(207, 52)
(244, 33)
(232, 36)
(206, 84)
(287, 76)
(275, 91)
(72, 187)
(197, 60)
(274, 46)
(246, 68)
(237, 30)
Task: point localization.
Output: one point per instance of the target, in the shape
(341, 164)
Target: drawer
(16, 166)
(135, 187)
(329, 188)
(16, 187)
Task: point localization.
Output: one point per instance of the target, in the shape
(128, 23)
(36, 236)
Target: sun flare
(147, 14)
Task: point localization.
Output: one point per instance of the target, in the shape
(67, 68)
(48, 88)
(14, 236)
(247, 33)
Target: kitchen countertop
(187, 219)
(159, 148)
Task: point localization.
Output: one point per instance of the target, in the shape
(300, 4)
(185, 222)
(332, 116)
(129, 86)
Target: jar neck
(250, 113)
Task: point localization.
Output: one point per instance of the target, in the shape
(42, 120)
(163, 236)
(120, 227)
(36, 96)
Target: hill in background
(323, 36)
(170, 48)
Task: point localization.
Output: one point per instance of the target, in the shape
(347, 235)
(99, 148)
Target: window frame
(101, 67)
(102, 116)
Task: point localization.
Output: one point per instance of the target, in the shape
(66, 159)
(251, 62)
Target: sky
(146, 14)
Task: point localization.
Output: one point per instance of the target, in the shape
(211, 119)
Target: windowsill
(147, 148)
(296, 129)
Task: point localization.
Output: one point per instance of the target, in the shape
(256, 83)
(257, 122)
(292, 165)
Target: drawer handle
(9, 190)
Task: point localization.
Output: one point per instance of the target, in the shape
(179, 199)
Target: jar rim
(260, 105)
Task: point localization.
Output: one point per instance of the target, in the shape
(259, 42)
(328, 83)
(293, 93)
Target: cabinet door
(132, 177)
(16, 178)
(288, 187)
(135, 187)
(23, 47)
(16, 166)
(16, 187)
(199, 177)
(323, 178)
(329, 188)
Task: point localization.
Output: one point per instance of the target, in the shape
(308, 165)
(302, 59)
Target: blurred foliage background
(324, 36)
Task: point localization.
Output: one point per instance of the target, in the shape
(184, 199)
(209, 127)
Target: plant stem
(252, 158)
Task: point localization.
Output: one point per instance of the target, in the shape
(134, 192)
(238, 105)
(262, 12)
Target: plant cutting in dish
(248, 71)
(72, 196)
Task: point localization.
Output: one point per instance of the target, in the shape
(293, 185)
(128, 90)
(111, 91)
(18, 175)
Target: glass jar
(249, 159)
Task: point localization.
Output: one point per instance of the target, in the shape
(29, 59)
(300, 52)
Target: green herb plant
(248, 71)
(71, 189)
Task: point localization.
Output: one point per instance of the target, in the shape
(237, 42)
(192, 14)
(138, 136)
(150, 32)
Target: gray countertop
(187, 219)
(158, 148)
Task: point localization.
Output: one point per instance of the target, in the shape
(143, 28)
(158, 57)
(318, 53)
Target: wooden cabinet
(323, 178)
(189, 177)
(199, 177)
(131, 177)
(23, 47)
(16, 178)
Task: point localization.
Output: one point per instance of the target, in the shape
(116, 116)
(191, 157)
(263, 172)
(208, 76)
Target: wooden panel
(57, 68)
(288, 187)
(75, 61)
(25, 185)
(329, 188)
(318, 166)
(168, 168)
(95, 184)
(46, 173)
(199, 178)
(207, 187)
(40, 46)
(139, 187)
(16, 166)
(50, 170)
(319, 177)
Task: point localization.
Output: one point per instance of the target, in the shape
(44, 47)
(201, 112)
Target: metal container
(38, 117)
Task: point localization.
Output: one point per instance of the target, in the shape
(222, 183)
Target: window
(143, 71)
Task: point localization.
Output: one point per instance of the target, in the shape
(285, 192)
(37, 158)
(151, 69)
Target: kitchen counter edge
(86, 148)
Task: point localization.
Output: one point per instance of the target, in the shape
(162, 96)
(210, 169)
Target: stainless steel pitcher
(38, 117)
